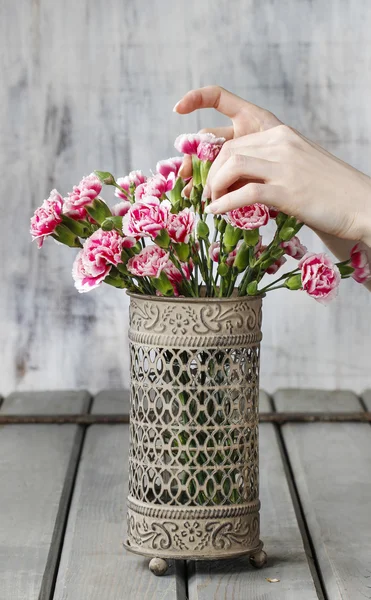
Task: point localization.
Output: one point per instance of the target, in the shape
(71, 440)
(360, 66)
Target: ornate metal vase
(194, 453)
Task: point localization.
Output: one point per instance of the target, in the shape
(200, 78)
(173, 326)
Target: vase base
(258, 557)
(158, 566)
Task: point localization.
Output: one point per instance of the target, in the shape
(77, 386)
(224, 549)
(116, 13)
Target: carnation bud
(204, 171)
(203, 230)
(286, 233)
(242, 258)
(251, 237)
(163, 239)
(252, 288)
(98, 210)
(112, 223)
(163, 285)
(293, 282)
(105, 177)
(220, 224)
(182, 251)
(223, 269)
(232, 236)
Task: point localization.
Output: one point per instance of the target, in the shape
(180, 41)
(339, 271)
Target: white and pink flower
(47, 217)
(320, 277)
(121, 208)
(150, 262)
(146, 218)
(157, 186)
(135, 178)
(272, 269)
(82, 195)
(189, 143)
(248, 217)
(94, 261)
(294, 248)
(360, 263)
(214, 251)
(168, 166)
(273, 212)
(180, 226)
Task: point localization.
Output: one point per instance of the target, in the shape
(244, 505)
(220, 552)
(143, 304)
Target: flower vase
(194, 452)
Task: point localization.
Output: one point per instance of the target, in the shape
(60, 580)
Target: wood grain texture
(86, 86)
(94, 563)
(37, 468)
(331, 466)
(280, 533)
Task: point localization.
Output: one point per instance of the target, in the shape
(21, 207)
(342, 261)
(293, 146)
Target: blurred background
(90, 85)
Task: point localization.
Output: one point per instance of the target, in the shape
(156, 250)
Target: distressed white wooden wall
(90, 84)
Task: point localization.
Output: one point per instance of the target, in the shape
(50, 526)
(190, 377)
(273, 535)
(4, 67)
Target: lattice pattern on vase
(194, 425)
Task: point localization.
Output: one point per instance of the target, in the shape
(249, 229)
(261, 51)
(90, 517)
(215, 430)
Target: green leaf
(182, 251)
(345, 270)
(65, 236)
(80, 228)
(163, 239)
(163, 285)
(223, 269)
(98, 210)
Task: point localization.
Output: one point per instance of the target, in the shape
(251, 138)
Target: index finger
(211, 96)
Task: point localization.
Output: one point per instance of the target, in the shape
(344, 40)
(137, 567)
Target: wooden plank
(37, 467)
(280, 533)
(366, 397)
(112, 402)
(331, 465)
(94, 563)
(46, 403)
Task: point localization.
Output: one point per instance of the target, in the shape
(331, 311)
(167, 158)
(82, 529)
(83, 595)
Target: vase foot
(259, 559)
(158, 566)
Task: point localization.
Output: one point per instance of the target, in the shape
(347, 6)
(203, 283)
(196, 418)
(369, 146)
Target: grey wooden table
(62, 506)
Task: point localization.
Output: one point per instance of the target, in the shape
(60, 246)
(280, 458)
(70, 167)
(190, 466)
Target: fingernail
(206, 192)
(211, 208)
(176, 106)
(181, 170)
(183, 193)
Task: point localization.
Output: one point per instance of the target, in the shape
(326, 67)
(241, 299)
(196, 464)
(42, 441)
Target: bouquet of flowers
(156, 241)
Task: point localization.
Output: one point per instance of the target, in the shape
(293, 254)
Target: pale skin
(271, 163)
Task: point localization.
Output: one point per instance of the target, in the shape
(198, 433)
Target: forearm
(341, 248)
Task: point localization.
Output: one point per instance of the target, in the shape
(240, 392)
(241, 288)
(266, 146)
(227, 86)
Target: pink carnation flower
(121, 208)
(47, 217)
(209, 150)
(94, 261)
(168, 166)
(273, 212)
(82, 195)
(214, 251)
(150, 262)
(248, 217)
(360, 264)
(294, 248)
(181, 225)
(175, 275)
(134, 178)
(157, 186)
(320, 277)
(188, 143)
(146, 218)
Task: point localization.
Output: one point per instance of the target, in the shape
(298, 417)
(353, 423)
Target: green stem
(284, 276)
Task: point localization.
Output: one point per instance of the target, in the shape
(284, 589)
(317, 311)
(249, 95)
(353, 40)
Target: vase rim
(202, 299)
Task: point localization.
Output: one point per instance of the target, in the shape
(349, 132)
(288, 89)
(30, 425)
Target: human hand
(272, 164)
